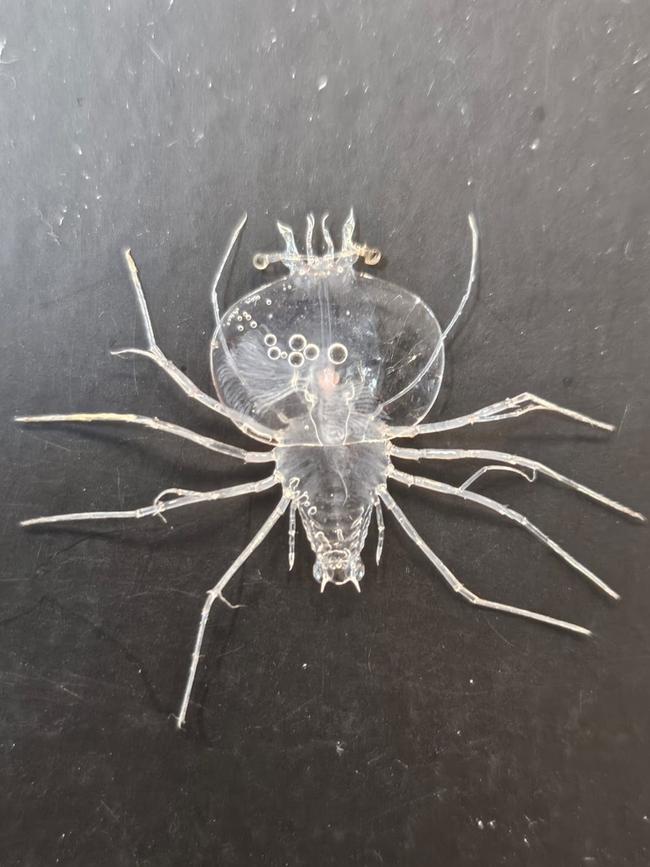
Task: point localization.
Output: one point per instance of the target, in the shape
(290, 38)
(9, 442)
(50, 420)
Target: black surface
(400, 727)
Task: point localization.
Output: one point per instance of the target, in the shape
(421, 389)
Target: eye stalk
(332, 260)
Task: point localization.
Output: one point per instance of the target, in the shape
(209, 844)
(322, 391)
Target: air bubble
(311, 352)
(337, 353)
(297, 342)
(273, 353)
(240, 328)
(253, 323)
(296, 359)
(284, 354)
(268, 302)
(270, 339)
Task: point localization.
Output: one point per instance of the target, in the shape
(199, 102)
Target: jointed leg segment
(216, 593)
(511, 407)
(153, 352)
(380, 530)
(456, 585)
(153, 424)
(292, 534)
(185, 498)
(506, 512)
(513, 461)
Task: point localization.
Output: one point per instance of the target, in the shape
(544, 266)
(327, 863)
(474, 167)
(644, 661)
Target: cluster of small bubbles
(337, 353)
(249, 319)
(299, 350)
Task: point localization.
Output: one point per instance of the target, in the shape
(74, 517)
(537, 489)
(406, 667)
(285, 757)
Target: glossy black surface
(401, 726)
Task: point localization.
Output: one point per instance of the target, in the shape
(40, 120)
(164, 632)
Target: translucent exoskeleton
(325, 367)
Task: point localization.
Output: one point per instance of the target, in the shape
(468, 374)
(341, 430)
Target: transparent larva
(324, 368)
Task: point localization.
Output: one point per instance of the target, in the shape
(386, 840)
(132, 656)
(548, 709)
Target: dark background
(401, 726)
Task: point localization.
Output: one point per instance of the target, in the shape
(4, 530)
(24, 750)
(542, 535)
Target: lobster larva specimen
(327, 366)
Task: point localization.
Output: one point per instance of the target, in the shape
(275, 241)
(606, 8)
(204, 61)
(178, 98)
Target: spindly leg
(445, 334)
(456, 585)
(511, 407)
(153, 351)
(187, 498)
(506, 512)
(380, 530)
(218, 334)
(292, 534)
(216, 593)
(496, 468)
(154, 424)
(514, 461)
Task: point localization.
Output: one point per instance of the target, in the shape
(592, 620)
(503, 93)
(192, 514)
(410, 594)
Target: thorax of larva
(334, 487)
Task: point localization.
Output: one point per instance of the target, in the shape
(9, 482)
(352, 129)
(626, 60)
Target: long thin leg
(456, 585)
(471, 219)
(218, 334)
(214, 295)
(154, 424)
(436, 352)
(153, 352)
(292, 534)
(216, 593)
(188, 498)
(511, 407)
(506, 512)
(498, 468)
(515, 461)
(380, 530)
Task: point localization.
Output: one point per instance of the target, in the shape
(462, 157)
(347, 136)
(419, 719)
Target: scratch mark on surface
(436, 793)
(293, 712)
(496, 631)
(110, 812)
(155, 54)
(51, 233)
